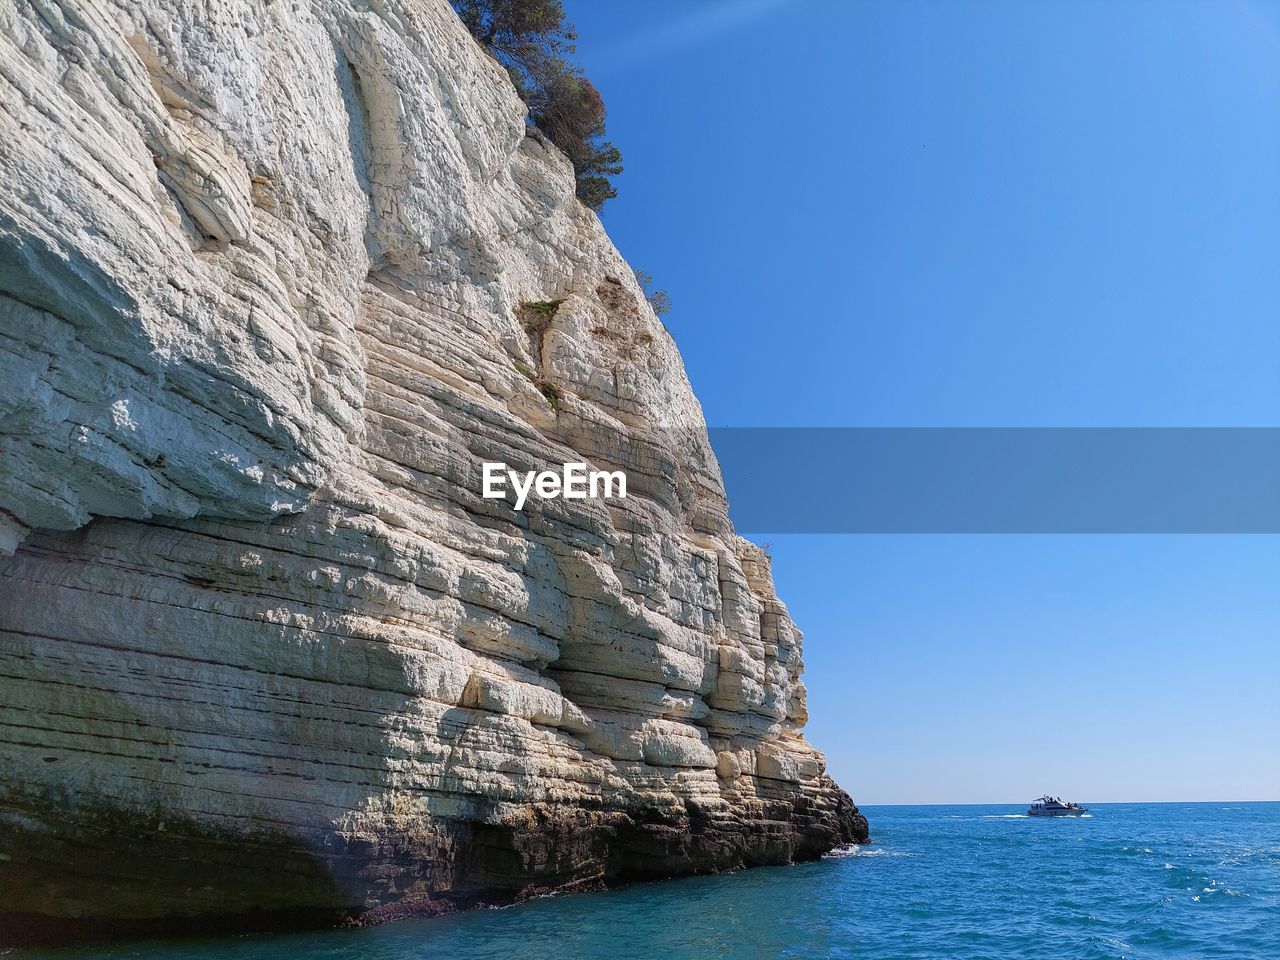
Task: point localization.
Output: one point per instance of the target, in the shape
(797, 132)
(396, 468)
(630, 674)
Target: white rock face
(265, 276)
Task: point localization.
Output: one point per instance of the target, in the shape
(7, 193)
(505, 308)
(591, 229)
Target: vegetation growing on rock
(659, 300)
(531, 39)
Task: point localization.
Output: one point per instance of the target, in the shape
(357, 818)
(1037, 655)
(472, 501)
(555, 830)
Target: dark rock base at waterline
(104, 874)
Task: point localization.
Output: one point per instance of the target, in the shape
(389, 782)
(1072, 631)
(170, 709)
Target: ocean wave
(1004, 816)
(847, 850)
(1220, 886)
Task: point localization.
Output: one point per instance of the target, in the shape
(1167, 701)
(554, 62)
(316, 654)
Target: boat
(1047, 806)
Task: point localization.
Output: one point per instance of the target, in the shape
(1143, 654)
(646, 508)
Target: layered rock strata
(275, 280)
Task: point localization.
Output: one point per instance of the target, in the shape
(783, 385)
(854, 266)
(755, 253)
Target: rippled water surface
(1165, 880)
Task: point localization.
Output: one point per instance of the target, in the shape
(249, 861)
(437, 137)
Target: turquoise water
(1164, 880)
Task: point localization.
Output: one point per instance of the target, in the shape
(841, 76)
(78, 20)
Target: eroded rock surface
(265, 276)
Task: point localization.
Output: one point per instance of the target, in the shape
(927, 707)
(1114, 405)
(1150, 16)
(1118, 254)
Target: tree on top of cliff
(518, 28)
(531, 40)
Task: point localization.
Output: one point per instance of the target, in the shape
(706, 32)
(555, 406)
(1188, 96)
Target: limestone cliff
(265, 276)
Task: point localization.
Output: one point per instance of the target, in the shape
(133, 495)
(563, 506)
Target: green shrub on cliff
(531, 39)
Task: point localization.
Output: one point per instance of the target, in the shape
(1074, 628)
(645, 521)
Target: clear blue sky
(981, 214)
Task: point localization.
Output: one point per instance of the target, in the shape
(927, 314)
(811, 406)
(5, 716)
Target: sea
(1194, 880)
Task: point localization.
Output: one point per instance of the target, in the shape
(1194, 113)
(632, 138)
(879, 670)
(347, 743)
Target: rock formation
(275, 280)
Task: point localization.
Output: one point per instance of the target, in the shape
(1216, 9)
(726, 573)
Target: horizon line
(1014, 803)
